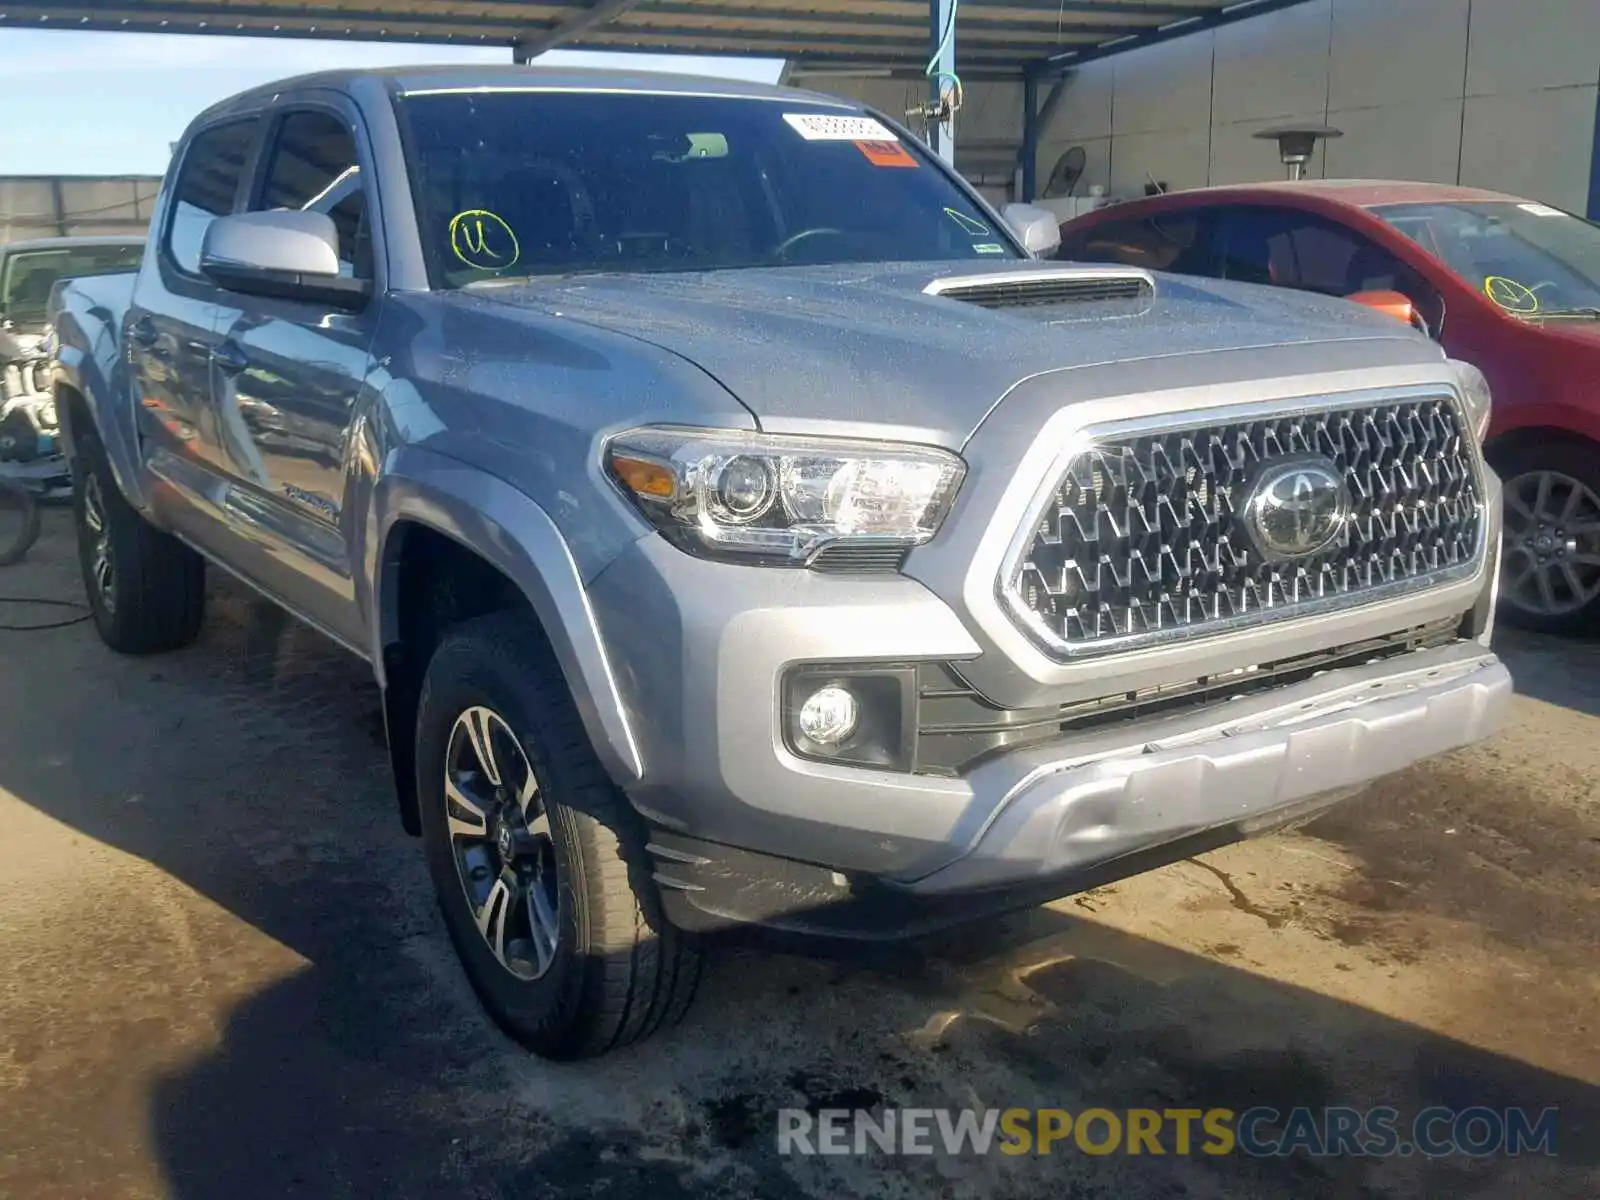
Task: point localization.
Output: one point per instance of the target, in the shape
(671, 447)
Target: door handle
(229, 358)
(144, 333)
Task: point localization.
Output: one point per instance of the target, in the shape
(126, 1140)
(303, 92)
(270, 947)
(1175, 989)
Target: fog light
(829, 715)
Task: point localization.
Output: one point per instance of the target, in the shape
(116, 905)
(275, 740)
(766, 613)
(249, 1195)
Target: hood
(867, 346)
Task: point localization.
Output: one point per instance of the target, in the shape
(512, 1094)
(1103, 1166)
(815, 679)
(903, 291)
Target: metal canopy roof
(995, 38)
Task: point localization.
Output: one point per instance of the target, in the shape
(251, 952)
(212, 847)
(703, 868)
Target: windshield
(1530, 259)
(29, 275)
(515, 184)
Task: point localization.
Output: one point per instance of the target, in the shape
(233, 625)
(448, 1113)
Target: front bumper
(700, 649)
(1081, 816)
(1065, 808)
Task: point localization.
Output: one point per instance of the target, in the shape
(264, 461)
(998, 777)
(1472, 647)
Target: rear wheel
(538, 861)
(1550, 558)
(19, 523)
(146, 589)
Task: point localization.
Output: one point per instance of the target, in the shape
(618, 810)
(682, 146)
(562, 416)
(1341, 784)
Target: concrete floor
(221, 973)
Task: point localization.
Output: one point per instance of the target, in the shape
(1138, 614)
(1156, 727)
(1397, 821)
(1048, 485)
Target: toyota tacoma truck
(745, 526)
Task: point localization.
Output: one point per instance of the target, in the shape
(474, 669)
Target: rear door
(289, 374)
(173, 326)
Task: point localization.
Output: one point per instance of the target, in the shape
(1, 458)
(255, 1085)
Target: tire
(19, 523)
(614, 970)
(147, 592)
(1550, 558)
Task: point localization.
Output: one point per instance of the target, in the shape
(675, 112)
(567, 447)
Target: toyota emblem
(1297, 508)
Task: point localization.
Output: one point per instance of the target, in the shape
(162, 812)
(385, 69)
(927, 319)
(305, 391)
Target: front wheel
(538, 861)
(1550, 557)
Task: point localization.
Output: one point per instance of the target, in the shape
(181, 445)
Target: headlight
(1475, 392)
(781, 499)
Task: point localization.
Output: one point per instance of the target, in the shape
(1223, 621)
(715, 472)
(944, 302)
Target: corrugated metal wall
(34, 206)
(1489, 93)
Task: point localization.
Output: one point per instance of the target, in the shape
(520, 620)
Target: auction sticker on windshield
(886, 154)
(815, 127)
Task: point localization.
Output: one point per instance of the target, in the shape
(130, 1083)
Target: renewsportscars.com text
(1257, 1132)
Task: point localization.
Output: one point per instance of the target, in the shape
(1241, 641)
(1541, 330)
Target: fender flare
(96, 383)
(512, 533)
(1554, 416)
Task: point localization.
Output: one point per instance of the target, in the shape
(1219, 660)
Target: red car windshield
(1532, 260)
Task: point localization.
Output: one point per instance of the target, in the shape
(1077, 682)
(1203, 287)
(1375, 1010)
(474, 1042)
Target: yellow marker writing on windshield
(975, 227)
(482, 239)
(1510, 295)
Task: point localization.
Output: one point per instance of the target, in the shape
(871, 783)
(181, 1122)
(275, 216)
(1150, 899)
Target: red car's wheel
(1550, 560)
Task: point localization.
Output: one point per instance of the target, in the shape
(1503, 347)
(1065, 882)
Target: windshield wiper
(1589, 311)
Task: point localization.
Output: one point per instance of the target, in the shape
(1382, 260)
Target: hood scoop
(1048, 290)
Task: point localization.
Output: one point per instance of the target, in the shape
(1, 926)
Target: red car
(1506, 284)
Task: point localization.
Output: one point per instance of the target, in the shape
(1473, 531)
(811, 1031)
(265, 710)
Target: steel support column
(942, 43)
(1036, 118)
(58, 203)
(1594, 168)
(601, 12)
(1030, 139)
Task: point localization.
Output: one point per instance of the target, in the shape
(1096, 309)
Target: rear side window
(313, 167)
(1167, 242)
(206, 186)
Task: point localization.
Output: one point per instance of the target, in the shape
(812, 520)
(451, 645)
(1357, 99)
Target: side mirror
(1037, 228)
(288, 254)
(1393, 304)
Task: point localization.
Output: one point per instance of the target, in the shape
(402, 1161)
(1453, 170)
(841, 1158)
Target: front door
(173, 328)
(288, 376)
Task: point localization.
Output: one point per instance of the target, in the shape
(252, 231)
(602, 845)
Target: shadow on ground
(249, 769)
(1560, 671)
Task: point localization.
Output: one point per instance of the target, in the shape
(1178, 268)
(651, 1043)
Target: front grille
(1145, 538)
(957, 728)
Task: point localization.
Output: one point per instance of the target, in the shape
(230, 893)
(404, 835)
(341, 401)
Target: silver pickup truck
(744, 527)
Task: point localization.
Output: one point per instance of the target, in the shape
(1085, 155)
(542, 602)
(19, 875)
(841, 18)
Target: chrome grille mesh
(1144, 536)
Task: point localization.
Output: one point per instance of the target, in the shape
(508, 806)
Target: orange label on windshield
(886, 154)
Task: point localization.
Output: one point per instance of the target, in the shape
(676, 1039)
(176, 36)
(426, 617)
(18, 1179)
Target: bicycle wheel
(19, 522)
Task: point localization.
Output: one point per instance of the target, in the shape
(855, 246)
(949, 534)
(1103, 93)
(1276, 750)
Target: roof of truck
(412, 80)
